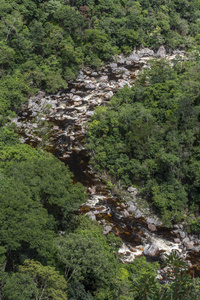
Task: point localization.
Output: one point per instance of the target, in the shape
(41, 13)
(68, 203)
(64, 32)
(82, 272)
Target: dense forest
(147, 136)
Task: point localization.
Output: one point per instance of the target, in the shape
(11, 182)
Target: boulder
(103, 78)
(182, 234)
(129, 62)
(196, 249)
(131, 208)
(188, 244)
(92, 190)
(154, 221)
(94, 74)
(145, 52)
(125, 213)
(132, 190)
(120, 59)
(76, 98)
(133, 57)
(151, 250)
(109, 94)
(186, 239)
(161, 52)
(89, 113)
(91, 215)
(107, 229)
(138, 214)
(179, 52)
(113, 65)
(90, 86)
(122, 83)
(176, 226)
(176, 240)
(152, 227)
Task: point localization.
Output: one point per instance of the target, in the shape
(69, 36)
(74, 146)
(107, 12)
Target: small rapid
(59, 123)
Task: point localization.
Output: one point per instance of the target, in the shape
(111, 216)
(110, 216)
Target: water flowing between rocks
(58, 122)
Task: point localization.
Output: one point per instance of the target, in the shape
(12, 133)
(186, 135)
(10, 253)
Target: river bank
(59, 122)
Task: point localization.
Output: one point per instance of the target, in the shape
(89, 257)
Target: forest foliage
(147, 136)
(44, 43)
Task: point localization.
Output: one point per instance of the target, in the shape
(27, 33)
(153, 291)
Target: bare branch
(10, 29)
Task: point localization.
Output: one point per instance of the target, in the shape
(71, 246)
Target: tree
(48, 182)
(35, 281)
(142, 276)
(182, 285)
(37, 199)
(23, 222)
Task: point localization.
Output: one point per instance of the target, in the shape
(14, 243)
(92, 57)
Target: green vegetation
(148, 136)
(44, 43)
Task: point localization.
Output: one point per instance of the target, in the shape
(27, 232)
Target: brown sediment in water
(74, 155)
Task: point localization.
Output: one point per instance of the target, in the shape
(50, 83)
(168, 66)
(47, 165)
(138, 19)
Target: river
(59, 123)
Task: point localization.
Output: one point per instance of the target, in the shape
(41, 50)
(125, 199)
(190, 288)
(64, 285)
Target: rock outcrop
(151, 250)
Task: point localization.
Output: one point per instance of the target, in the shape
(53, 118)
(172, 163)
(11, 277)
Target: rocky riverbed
(58, 122)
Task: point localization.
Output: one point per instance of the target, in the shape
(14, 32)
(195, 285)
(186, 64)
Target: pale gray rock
(186, 239)
(176, 226)
(89, 113)
(152, 227)
(93, 102)
(188, 244)
(120, 59)
(103, 222)
(103, 78)
(123, 70)
(34, 114)
(182, 234)
(133, 57)
(103, 85)
(124, 76)
(196, 249)
(176, 240)
(131, 208)
(88, 71)
(123, 83)
(151, 250)
(179, 52)
(113, 65)
(91, 215)
(107, 229)
(78, 103)
(109, 94)
(161, 52)
(90, 86)
(80, 76)
(132, 190)
(125, 213)
(145, 52)
(138, 214)
(129, 62)
(154, 221)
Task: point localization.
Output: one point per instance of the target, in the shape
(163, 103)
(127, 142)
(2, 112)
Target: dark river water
(65, 137)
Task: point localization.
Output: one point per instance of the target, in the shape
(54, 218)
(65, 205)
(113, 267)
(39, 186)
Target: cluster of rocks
(76, 105)
(67, 113)
(148, 235)
(145, 54)
(188, 242)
